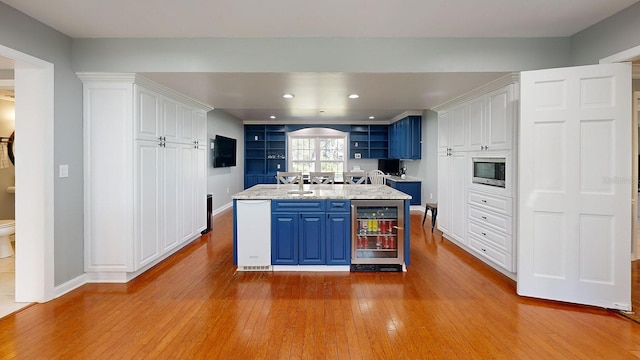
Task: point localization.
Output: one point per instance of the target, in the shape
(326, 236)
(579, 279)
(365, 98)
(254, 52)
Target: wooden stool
(434, 214)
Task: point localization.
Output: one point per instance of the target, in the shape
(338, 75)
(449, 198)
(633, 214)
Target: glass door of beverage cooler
(378, 232)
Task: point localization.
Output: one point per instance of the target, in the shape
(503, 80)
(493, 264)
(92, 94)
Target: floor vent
(255, 268)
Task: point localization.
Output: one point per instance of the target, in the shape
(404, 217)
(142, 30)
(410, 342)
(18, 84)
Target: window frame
(317, 134)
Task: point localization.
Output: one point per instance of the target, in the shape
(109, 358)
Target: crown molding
(508, 79)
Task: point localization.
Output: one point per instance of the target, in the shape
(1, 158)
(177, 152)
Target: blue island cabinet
(310, 232)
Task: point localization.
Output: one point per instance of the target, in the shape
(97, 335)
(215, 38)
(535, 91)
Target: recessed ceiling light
(272, 116)
(321, 111)
(288, 96)
(372, 117)
(354, 96)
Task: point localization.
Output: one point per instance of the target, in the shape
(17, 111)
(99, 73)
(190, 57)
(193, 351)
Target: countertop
(406, 179)
(338, 191)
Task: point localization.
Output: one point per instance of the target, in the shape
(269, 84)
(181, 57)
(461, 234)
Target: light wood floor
(194, 305)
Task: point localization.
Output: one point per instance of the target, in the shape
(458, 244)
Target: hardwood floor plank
(195, 305)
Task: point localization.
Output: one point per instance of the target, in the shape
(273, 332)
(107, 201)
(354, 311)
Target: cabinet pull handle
(484, 201)
(485, 250)
(484, 234)
(484, 217)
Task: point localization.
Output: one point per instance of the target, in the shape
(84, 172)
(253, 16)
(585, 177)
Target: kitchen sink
(300, 192)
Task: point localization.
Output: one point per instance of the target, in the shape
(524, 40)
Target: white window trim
(317, 133)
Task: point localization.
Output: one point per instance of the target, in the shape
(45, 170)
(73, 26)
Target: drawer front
(338, 205)
(496, 221)
(297, 205)
(498, 257)
(498, 239)
(491, 202)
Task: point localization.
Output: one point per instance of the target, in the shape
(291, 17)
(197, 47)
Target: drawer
(498, 239)
(496, 221)
(499, 204)
(339, 205)
(297, 205)
(498, 257)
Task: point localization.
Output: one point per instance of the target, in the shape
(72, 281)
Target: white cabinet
(452, 195)
(452, 129)
(479, 218)
(142, 202)
(491, 228)
(491, 120)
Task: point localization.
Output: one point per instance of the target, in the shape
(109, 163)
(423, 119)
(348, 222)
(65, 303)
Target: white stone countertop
(406, 179)
(315, 191)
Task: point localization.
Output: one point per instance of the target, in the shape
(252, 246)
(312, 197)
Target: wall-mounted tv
(223, 151)
(389, 166)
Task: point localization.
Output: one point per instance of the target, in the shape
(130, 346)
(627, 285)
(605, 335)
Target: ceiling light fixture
(372, 117)
(354, 96)
(272, 116)
(288, 96)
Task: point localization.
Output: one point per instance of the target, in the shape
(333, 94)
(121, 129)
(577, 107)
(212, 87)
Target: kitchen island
(340, 227)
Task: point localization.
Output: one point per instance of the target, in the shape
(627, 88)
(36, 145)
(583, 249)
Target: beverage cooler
(377, 241)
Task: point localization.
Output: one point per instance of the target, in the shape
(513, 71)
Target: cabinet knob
(484, 217)
(484, 201)
(484, 234)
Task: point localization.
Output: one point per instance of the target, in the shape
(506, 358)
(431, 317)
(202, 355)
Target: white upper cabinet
(443, 131)
(170, 120)
(476, 123)
(457, 129)
(200, 123)
(147, 117)
(498, 134)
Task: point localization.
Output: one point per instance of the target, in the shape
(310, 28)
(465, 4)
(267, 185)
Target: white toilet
(7, 228)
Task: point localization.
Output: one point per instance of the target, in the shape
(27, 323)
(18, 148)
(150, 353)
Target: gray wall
(610, 36)
(224, 182)
(319, 54)
(29, 36)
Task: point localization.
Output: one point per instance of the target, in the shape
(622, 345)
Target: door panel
(575, 185)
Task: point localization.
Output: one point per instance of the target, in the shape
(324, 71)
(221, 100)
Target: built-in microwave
(489, 171)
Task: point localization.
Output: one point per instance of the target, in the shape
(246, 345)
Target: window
(317, 149)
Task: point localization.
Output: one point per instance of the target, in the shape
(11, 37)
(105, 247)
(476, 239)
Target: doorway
(34, 215)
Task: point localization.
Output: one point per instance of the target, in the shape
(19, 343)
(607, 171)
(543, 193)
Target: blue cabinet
(310, 232)
(369, 142)
(413, 188)
(265, 149)
(405, 138)
(284, 238)
(338, 238)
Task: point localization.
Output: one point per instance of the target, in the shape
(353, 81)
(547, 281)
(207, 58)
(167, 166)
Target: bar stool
(434, 214)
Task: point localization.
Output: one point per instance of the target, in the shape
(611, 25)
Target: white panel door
(188, 192)
(476, 124)
(187, 132)
(443, 131)
(148, 184)
(444, 193)
(458, 129)
(200, 201)
(171, 196)
(200, 124)
(499, 122)
(575, 185)
(147, 118)
(170, 120)
(458, 189)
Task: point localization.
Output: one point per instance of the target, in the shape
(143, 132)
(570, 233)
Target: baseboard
(69, 286)
(223, 208)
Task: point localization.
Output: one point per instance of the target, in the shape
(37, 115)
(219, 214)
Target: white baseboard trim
(69, 286)
(223, 208)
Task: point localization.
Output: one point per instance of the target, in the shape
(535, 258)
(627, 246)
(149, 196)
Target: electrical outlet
(227, 190)
(430, 196)
(63, 171)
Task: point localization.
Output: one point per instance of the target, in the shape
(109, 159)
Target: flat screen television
(224, 152)
(389, 166)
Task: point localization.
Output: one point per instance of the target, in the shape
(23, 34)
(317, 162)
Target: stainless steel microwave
(489, 171)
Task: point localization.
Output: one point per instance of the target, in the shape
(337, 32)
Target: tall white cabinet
(479, 218)
(145, 174)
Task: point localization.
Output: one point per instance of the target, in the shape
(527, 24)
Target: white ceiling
(256, 96)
